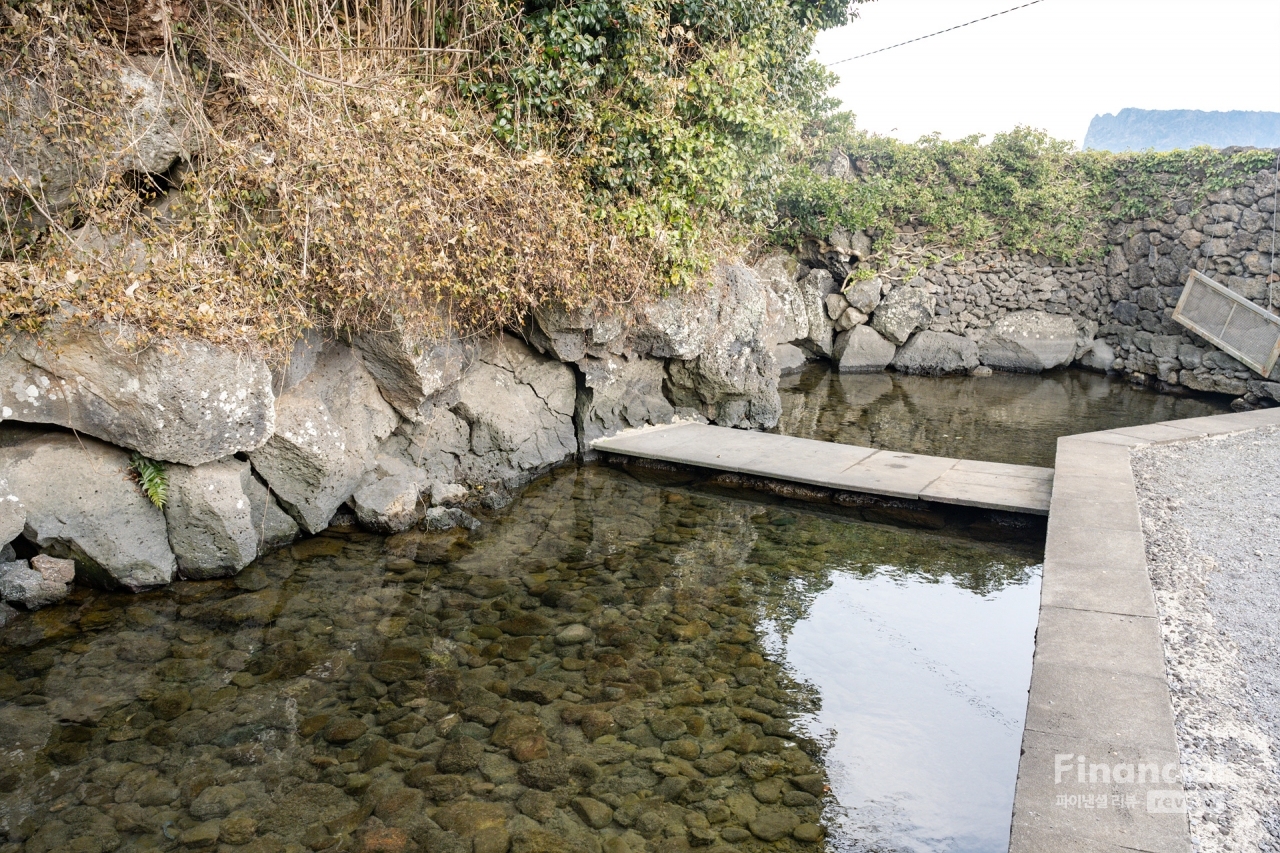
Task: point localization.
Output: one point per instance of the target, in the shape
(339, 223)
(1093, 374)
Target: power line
(938, 33)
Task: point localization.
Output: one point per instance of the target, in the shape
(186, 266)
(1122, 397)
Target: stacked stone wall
(1126, 296)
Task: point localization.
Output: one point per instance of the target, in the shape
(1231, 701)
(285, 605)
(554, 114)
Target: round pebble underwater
(606, 666)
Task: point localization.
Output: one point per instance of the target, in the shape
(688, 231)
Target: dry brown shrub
(345, 205)
(142, 25)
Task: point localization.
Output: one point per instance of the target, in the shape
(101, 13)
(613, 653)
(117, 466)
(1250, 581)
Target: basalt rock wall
(1013, 306)
(377, 428)
(391, 431)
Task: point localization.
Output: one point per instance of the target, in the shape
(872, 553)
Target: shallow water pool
(608, 666)
(1006, 417)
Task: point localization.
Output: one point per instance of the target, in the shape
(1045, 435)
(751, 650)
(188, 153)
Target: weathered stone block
(862, 350)
(734, 381)
(410, 370)
(327, 428)
(386, 501)
(74, 498)
(519, 407)
(936, 354)
(618, 392)
(1028, 342)
(210, 519)
(903, 311)
(178, 401)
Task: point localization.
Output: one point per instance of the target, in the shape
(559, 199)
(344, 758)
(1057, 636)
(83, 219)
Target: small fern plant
(152, 478)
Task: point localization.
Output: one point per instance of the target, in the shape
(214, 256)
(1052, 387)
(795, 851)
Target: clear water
(420, 691)
(739, 656)
(1006, 417)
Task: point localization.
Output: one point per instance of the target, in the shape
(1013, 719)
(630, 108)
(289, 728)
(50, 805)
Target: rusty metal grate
(1230, 322)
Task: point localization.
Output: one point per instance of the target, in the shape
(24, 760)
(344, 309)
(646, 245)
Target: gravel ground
(1211, 518)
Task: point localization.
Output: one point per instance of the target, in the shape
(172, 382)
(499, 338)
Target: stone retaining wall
(1121, 304)
(393, 430)
(398, 431)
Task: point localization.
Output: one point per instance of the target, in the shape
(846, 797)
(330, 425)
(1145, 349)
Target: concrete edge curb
(1099, 769)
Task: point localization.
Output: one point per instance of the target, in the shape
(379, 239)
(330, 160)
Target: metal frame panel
(1215, 335)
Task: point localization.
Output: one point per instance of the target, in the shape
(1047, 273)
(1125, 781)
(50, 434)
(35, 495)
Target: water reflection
(923, 694)
(1007, 417)
(919, 656)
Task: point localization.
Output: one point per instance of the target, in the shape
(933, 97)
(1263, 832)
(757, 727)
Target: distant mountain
(1165, 130)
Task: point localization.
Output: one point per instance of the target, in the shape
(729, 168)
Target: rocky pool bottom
(601, 668)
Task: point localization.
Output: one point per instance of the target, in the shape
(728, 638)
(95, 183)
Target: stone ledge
(1099, 686)
(910, 476)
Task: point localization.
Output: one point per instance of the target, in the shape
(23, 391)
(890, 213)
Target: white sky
(1053, 65)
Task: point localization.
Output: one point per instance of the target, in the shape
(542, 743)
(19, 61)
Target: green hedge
(1023, 190)
(678, 113)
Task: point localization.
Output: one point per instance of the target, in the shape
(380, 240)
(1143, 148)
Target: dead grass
(336, 184)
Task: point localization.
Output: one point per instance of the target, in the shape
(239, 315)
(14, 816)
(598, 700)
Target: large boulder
(734, 381)
(617, 393)
(862, 350)
(436, 443)
(386, 501)
(210, 514)
(1029, 342)
(327, 428)
(519, 407)
(75, 499)
(177, 401)
(936, 354)
(410, 370)
(677, 326)
(569, 335)
(786, 314)
(903, 311)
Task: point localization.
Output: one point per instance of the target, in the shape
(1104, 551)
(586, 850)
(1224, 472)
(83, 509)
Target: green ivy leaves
(676, 112)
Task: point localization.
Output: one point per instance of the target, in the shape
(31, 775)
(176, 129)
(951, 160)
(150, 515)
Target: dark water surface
(608, 666)
(1006, 417)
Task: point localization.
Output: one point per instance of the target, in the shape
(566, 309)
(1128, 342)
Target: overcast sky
(1053, 65)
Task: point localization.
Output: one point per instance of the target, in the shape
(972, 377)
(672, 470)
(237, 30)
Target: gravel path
(1211, 518)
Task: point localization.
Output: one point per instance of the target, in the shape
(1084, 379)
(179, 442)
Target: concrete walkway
(1100, 767)
(988, 485)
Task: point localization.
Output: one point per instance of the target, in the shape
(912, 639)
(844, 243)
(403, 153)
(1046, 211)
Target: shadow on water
(609, 666)
(1006, 417)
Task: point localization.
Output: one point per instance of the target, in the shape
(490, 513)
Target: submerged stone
(42, 581)
(1029, 342)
